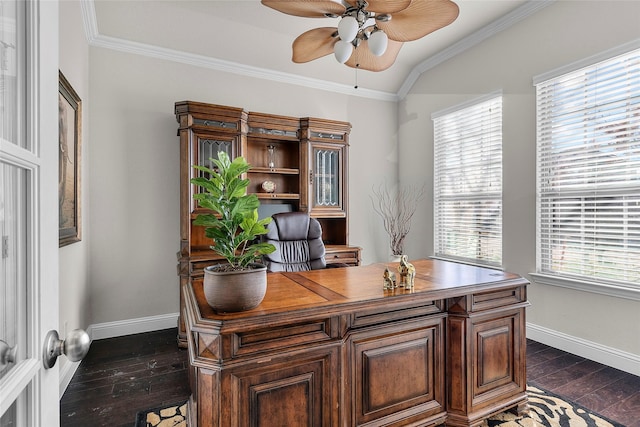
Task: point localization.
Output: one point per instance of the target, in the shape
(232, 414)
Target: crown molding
(157, 52)
(89, 20)
(501, 24)
(94, 38)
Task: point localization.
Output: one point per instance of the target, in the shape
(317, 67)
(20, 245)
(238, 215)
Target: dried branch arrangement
(396, 211)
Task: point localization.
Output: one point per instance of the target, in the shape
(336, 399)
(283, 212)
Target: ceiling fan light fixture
(348, 28)
(342, 51)
(378, 41)
(382, 25)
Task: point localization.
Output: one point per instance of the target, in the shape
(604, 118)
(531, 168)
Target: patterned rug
(550, 410)
(547, 409)
(165, 416)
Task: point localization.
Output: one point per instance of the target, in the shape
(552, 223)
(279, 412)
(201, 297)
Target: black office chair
(298, 241)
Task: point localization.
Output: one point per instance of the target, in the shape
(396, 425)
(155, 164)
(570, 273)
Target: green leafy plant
(234, 225)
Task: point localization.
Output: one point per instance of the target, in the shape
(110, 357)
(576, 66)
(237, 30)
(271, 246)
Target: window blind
(468, 183)
(588, 167)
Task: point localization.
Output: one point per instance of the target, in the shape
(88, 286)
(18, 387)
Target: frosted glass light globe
(342, 50)
(378, 43)
(348, 28)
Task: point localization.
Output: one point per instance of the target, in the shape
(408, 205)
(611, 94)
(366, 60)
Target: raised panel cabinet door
(397, 374)
(486, 365)
(498, 362)
(300, 390)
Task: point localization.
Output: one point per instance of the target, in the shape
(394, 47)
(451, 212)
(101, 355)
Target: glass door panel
(327, 177)
(209, 148)
(12, 70)
(13, 291)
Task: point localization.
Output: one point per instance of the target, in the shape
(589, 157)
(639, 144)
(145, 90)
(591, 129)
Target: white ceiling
(246, 37)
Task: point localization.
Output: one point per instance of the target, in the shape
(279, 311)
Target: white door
(29, 394)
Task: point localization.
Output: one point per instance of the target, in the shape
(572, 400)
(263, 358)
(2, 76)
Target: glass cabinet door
(327, 178)
(205, 147)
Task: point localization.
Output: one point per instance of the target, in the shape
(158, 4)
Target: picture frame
(69, 172)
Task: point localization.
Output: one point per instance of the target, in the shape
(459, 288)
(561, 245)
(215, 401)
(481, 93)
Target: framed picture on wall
(69, 139)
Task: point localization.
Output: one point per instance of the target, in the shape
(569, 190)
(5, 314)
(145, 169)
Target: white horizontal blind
(588, 137)
(468, 183)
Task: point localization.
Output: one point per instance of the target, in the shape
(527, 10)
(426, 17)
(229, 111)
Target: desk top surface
(340, 288)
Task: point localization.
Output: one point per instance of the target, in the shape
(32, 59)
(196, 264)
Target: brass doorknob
(75, 346)
(7, 354)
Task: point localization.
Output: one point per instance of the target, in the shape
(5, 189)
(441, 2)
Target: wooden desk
(332, 348)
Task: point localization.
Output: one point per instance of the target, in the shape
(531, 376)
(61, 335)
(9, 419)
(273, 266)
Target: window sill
(467, 262)
(618, 291)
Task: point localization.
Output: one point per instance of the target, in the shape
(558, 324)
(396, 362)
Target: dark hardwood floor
(124, 375)
(610, 392)
(121, 376)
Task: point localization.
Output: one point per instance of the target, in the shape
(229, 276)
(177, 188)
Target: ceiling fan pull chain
(356, 86)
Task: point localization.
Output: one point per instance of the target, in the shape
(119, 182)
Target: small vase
(394, 258)
(228, 292)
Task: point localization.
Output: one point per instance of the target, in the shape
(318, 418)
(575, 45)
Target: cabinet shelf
(287, 196)
(281, 171)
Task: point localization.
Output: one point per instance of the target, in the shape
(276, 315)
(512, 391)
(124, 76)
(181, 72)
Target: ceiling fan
(370, 33)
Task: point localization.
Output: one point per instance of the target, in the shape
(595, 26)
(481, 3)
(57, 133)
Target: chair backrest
(298, 241)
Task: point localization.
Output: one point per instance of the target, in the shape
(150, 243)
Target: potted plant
(241, 283)
(396, 211)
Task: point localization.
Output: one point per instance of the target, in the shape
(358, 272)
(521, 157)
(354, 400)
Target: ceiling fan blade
(314, 44)
(306, 8)
(384, 6)
(363, 59)
(419, 19)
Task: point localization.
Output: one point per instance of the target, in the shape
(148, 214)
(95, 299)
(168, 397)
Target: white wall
(560, 34)
(133, 168)
(74, 258)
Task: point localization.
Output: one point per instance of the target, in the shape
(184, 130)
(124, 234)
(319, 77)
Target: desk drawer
(345, 255)
(277, 338)
(375, 317)
(504, 297)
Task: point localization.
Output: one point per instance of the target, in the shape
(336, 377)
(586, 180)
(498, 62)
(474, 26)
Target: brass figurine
(407, 273)
(389, 279)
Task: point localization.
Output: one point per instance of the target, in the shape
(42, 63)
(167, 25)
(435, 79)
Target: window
(468, 182)
(588, 142)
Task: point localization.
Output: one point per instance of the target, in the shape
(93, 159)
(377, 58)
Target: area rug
(550, 410)
(547, 409)
(165, 416)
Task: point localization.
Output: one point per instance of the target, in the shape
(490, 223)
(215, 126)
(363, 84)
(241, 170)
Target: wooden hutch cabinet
(298, 164)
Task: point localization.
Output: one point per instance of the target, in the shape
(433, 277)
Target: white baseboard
(66, 373)
(132, 326)
(118, 329)
(609, 356)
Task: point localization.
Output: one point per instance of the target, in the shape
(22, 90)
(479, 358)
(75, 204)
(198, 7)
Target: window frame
(472, 196)
(621, 289)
